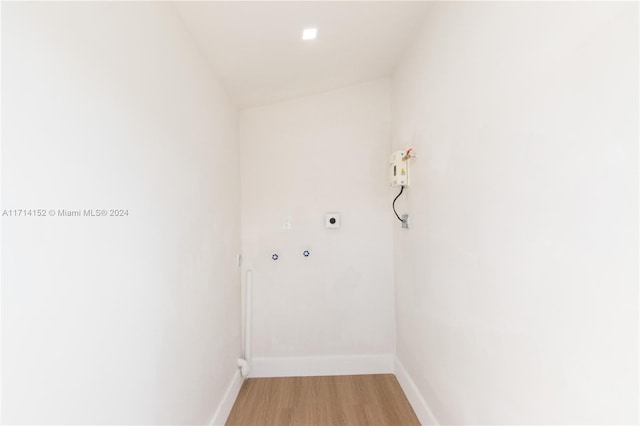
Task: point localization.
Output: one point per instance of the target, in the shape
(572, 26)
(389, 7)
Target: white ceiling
(257, 51)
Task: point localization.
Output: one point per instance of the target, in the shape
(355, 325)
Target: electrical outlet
(332, 220)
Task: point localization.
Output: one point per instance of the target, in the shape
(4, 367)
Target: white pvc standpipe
(245, 363)
(249, 308)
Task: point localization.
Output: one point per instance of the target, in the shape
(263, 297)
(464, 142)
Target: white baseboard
(321, 365)
(420, 407)
(230, 395)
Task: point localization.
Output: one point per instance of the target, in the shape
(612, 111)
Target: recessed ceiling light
(309, 33)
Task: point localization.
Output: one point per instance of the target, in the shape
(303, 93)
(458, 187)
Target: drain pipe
(245, 363)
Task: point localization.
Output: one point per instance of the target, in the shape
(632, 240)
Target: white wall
(128, 319)
(517, 286)
(302, 158)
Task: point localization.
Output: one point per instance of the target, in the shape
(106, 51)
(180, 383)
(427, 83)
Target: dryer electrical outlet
(399, 168)
(332, 220)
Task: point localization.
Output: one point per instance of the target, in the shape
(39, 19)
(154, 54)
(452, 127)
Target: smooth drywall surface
(115, 320)
(302, 159)
(259, 55)
(517, 284)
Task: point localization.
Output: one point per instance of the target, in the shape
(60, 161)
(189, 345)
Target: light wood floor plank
(374, 399)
